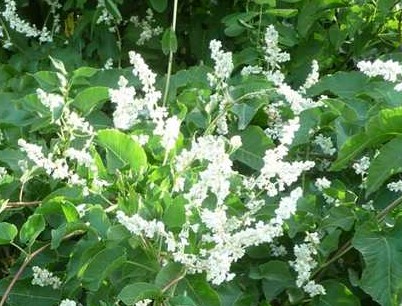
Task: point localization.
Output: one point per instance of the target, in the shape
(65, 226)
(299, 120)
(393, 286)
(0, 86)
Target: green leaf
(84, 72)
(159, 5)
(58, 64)
(382, 254)
(350, 149)
(48, 80)
(101, 266)
(63, 230)
(24, 293)
(198, 289)
(245, 112)
(337, 294)
(121, 151)
(254, 144)
(8, 232)
(138, 291)
(338, 217)
(285, 13)
(169, 41)
(98, 219)
(387, 163)
(276, 278)
(32, 228)
(181, 300)
(169, 275)
(113, 10)
(91, 97)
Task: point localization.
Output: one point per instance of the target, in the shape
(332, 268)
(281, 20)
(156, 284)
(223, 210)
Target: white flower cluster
(313, 76)
(147, 26)
(42, 277)
(57, 168)
(67, 302)
(215, 178)
(325, 143)
(144, 302)
(105, 16)
(276, 174)
(395, 186)
(21, 26)
(3, 173)
(224, 239)
(273, 53)
(305, 263)
(223, 67)
(132, 109)
(389, 70)
(362, 165)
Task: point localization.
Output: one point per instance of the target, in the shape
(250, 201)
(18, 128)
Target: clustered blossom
(43, 278)
(276, 174)
(325, 143)
(395, 186)
(362, 165)
(313, 76)
(144, 302)
(305, 263)
(105, 16)
(389, 70)
(21, 26)
(67, 302)
(147, 26)
(132, 108)
(223, 68)
(273, 54)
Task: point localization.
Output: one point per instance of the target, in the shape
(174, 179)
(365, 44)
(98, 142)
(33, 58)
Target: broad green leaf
(174, 216)
(98, 220)
(254, 144)
(337, 294)
(199, 290)
(65, 229)
(91, 97)
(58, 64)
(169, 41)
(159, 5)
(350, 149)
(181, 300)
(84, 72)
(101, 266)
(121, 151)
(8, 232)
(245, 112)
(269, 2)
(387, 163)
(12, 157)
(276, 278)
(32, 228)
(47, 80)
(133, 293)
(338, 217)
(169, 275)
(382, 254)
(24, 293)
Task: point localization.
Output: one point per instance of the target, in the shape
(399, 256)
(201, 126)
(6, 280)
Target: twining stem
(170, 63)
(348, 245)
(174, 281)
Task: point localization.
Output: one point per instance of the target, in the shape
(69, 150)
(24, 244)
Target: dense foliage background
(259, 165)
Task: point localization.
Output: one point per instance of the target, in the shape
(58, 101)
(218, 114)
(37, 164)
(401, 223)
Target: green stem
(170, 63)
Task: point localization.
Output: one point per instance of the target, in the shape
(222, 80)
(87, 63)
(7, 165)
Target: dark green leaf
(91, 97)
(169, 41)
(337, 294)
(138, 291)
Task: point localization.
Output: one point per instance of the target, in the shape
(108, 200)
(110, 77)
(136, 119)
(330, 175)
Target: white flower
(223, 63)
(235, 142)
(288, 131)
(147, 26)
(362, 165)
(81, 156)
(67, 302)
(322, 183)
(50, 100)
(42, 277)
(144, 302)
(170, 133)
(388, 70)
(395, 186)
(313, 76)
(273, 54)
(325, 143)
(313, 289)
